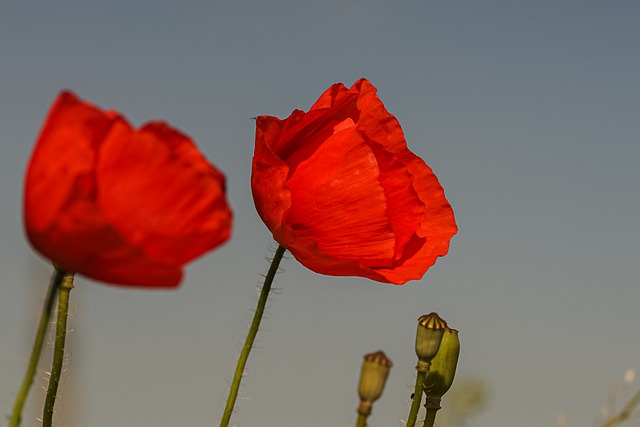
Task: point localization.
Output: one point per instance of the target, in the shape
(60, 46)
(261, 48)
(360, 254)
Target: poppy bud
(443, 366)
(428, 337)
(373, 377)
(441, 373)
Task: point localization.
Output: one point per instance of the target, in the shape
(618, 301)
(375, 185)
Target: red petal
(118, 205)
(65, 151)
(337, 200)
(338, 187)
(160, 192)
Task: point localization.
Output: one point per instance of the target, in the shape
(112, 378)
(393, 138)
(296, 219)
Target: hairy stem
(251, 336)
(58, 350)
(36, 351)
(417, 399)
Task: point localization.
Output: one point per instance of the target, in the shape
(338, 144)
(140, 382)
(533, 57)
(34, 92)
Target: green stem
(430, 419)
(432, 405)
(58, 350)
(362, 420)
(16, 416)
(626, 412)
(417, 399)
(251, 336)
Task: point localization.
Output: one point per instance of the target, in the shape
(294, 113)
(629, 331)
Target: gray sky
(526, 111)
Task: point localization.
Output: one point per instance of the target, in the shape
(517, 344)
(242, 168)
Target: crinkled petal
(336, 196)
(339, 188)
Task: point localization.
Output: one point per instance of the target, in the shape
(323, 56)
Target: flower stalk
(251, 336)
(36, 351)
(58, 351)
(362, 419)
(625, 413)
(432, 405)
(417, 399)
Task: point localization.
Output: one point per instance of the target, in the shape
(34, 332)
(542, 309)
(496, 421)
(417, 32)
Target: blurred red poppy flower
(121, 205)
(338, 188)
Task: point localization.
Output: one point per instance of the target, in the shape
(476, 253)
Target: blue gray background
(528, 112)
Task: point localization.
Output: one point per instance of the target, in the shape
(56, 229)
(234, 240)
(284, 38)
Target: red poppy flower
(338, 188)
(117, 204)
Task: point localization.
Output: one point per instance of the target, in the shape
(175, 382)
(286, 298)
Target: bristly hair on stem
(253, 331)
(58, 352)
(43, 326)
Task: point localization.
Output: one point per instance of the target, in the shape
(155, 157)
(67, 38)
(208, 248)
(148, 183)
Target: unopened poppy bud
(428, 337)
(373, 377)
(443, 366)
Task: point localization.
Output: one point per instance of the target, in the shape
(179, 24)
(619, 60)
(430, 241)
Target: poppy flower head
(338, 187)
(117, 204)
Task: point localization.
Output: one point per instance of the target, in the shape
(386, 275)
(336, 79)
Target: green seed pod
(373, 377)
(443, 366)
(428, 337)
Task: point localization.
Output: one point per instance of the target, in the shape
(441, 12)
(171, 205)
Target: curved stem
(58, 350)
(251, 336)
(417, 399)
(16, 415)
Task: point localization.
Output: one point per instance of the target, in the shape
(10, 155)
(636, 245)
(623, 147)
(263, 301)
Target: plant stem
(43, 326)
(430, 419)
(623, 415)
(58, 350)
(251, 336)
(417, 399)
(432, 405)
(362, 420)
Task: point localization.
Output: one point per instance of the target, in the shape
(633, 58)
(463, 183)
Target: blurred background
(528, 112)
